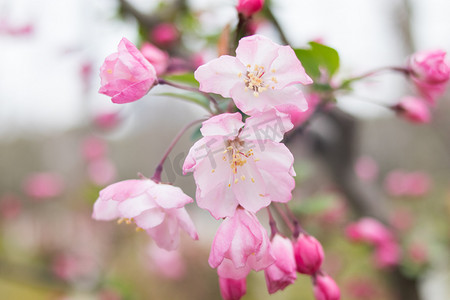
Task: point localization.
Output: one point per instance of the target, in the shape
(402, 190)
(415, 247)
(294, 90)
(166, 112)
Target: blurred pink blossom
(101, 171)
(402, 219)
(168, 264)
(413, 109)
(93, 148)
(430, 73)
(107, 120)
(325, 288)
(10, 206)
(401, 183)
(7, 28)
(298, 116)
(44, 185)
(366, 168)
(165, 34)
(418, 253)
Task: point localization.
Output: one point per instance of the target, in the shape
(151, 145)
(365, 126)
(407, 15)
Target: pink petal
(220, 75)
(133, 92)
(185, 222)
(257, 50)
(150, 218)
(226, 125)
(105, 210)
(169, 196)
(269, 125)
(166, 235)
(133, 207)
(125, 189)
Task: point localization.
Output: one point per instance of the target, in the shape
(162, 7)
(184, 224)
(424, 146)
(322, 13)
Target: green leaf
(190, 97)
(308, 61)
(327, 57)
(197, 134)
(186, 78)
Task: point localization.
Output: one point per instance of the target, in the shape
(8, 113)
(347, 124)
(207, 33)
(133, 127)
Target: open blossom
(241, 164)
(283, 272)
(155, 207)
(126, 75)
(430, 73)
(308, 254)
(157, 57)
(232, 289)
(241, 244)
(413, 109)
(261, 76)
(325, 288)
(249, 7)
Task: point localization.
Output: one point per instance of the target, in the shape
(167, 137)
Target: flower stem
(272, 224)
(157, 175)
(403, 70)
(192, 89)
(284, 217)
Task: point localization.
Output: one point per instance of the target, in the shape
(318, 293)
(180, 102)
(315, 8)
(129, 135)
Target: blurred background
(61, 142)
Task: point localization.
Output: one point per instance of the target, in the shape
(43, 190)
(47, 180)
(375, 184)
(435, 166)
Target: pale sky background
(41, 88)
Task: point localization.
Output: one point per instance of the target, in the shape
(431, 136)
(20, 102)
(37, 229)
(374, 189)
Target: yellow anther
(261, 195)
(273, 70)
(253, 180)
(236, 180)
(212, 171)
(120, 221)
(109, 71)
(138, 229)
(256, 94)
(229, 185)
(239, 74)
(274, 79)
(242, 177)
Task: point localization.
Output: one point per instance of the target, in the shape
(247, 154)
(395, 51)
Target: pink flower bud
(430, 73)
(93, 148)
(370, 231)
(366, 168)
(325, 288)
(107, 120)
(232, 289)
(165, 34)
(413, 109)
(158, 58)
(249, 7)
(387, 255)
(126, 75)
(308, 254)
(44, 185)
(283, 272)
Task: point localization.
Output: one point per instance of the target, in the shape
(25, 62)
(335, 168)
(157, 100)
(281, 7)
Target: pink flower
(10, 206)
(283, 272)
(366, 168)
(370, 231)
(249, 7)
(165, 34)
(387, 254)
(232, 289)
(240, 244)
(413, 109)
(241, 164)
(325, 288)
(261, 76)
(126, 76)
(308, 254)
(93, 148)
(155, 207)
(107, 120)
(158, 58)
(44, 185)
(430, 73)
(101, 171)
(400, 183)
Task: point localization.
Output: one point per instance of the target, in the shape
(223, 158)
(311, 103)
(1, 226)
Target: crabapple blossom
(232, 289)
(387, 254)
(155, 207)
(283, 272)
(126, 75)
(325, 288)
(241, 164)
(430, 73)
(249, 7)
(44, 185)
(308, 254)
(157, 57)
(413, 109)
(165, 34)
(261, 76)
(241, 244)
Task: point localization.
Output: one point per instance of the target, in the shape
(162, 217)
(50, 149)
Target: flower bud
(308, 254)
(325, 288)
(232, 289)
(430, 73)
(281, 273)
(413, 109)
(165, 34)
(249, 7)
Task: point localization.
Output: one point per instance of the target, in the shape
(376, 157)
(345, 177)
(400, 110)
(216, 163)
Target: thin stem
(272, 224)
(297, 228)
(403, 70)
(192, 89)
(284, 217)
(240, 30)
(271, 17)
(157, 175)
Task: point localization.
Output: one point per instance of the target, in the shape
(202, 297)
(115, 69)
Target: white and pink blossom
(262, 76)
(154, 207)
(241, 164)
